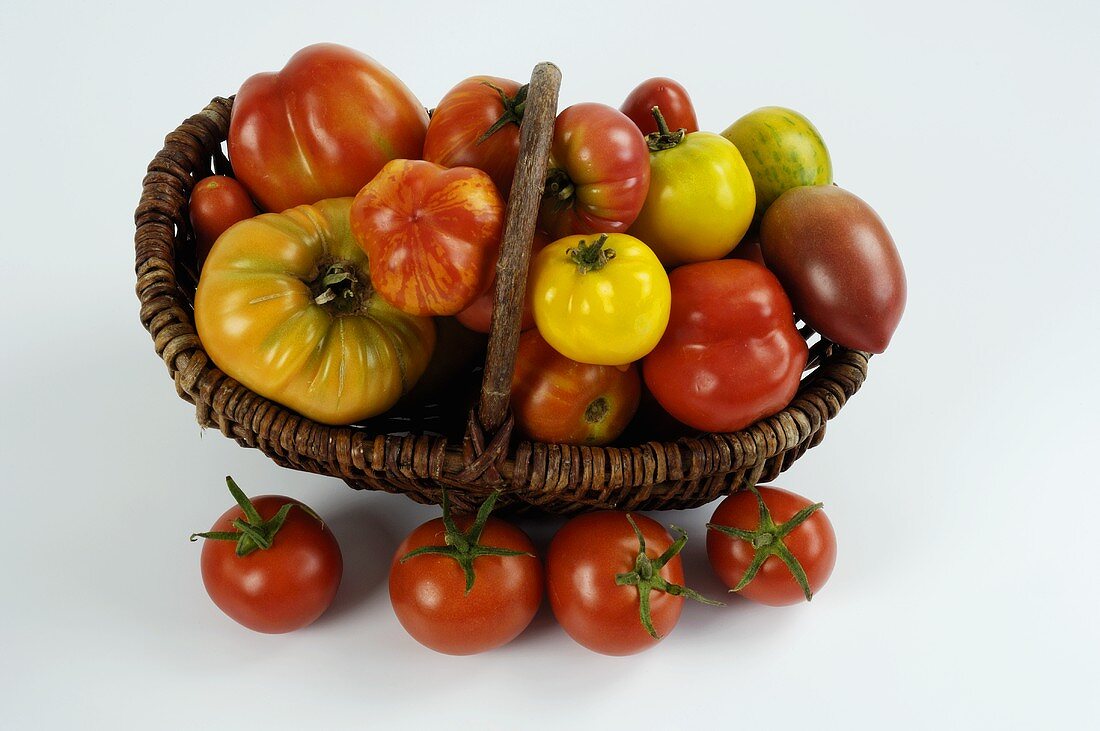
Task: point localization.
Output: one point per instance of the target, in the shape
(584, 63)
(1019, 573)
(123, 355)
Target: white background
(960, 480)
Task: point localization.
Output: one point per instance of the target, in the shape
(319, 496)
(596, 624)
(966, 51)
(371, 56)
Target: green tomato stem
(513, 107)
(591, 257)
(253, 533)
(663, 138)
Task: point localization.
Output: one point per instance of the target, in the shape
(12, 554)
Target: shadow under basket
(412, 455)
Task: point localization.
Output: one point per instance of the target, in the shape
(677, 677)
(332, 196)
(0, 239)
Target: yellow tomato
(600, 299)
(285, 306)
(701, 198)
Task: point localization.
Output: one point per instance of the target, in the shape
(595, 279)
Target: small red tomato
(615, 581)
(217, 202)
(477, 125)
(731, 354)
(466, 585)
(270, 563)
(559, 400)
(598, 175)
(431, 234)
(667, 94)
(479, 316)
(771, 546)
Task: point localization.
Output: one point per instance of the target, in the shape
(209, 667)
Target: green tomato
(782, 149)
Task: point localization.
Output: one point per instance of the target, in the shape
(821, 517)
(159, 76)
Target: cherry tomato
(278, 587)
(322, 127)
(477, 125)
(615, 581)
(701, 197)
(667, 94)
(465, 585)
(771, 545)
(602, 300)
(479, 315)
(731, 354)
(431, 234)
(559, 400)
(598, 173)
(217, 202)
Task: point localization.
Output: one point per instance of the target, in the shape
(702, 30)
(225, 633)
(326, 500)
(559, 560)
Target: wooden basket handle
(535, 134)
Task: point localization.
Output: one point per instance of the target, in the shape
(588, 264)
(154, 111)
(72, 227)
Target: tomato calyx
(767, 540)
(647, 577)
(253, 533)
(597, 410)
(339, 288)
(463, 547)
(513, 110)
(560, 187)
(590, 257)
(663, 138)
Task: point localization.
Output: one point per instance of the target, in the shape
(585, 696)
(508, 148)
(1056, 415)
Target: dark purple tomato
(838, 264)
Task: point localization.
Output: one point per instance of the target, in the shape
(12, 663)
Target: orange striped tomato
(432, 235)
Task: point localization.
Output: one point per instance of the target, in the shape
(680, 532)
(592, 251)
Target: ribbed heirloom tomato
(477, 125)
(598, 173)
(731, 354)
(285, 306)
(432, 235)
(321, 127)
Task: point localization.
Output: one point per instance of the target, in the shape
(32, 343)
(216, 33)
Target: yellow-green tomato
(600, 299)
(701, 198)
(782, 149)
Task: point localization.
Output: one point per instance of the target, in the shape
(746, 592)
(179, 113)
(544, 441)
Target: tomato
(732, 354)
(749, 249)
(838, 263)
(270, 563)
(667, 94)
(477, 125)
(701, 198)
(285, 306)
(616, 582)
(603, 301)
(466, 585)
(771, 546)
(782, 149)
(556, 399)
(322, 127)
(432, 235)
(217, 202)
(479, 315)
(598, 172)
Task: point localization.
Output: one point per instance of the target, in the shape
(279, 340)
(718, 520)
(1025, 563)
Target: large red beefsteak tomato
(322, 127)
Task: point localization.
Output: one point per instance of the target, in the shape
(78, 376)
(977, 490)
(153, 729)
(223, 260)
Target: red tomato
(479, 315)
(279, 588)
(322, 127)
(609, 577)
(667, 94)
(771, 546)
(731, 354)
(432, 235)
(598, 174)
(217, 202)
(477, 125)
(749, 249)
(556, 399)
(466, 586)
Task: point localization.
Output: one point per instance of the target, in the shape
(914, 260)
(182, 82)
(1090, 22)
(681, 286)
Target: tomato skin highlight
(429, 598)
(601, 167)
(813, 543)
(281, 588)
(584, 558)
(731, 354)
(217, 202)
(610, 315)
(670, 96)
(460, 119)
(431, 234)
(558, 400)
(321, 127)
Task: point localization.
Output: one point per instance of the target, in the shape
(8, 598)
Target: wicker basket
(682, 473)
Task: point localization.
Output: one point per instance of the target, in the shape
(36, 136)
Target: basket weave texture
(564, 479)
